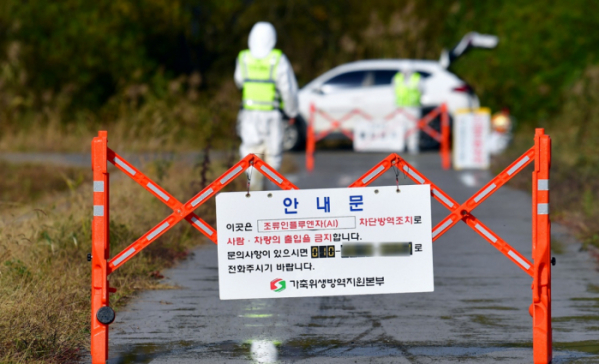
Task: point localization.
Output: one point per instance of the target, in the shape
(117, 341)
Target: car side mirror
(318, 90)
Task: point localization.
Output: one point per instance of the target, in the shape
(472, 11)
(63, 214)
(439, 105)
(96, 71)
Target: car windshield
(353, 79)
(385, 77)
(365, 78)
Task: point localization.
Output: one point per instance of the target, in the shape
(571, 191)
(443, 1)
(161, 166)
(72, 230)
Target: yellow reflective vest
(259, 91)
(407, 95)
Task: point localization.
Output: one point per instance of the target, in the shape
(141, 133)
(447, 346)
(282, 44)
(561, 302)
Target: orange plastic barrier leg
(100, 253)
(541, 251)
(310, 142)
(445, 141)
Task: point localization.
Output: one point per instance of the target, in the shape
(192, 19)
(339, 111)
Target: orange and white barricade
(336, 125)
(540, 267)
(103, 265)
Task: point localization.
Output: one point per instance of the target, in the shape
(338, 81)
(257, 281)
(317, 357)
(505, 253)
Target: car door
(338, 96)
(370, 91)
(378, 95)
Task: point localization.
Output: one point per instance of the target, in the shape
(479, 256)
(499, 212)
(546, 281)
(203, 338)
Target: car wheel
(293, 136)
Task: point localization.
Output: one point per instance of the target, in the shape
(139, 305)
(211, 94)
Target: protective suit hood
(262, 40)
(407, 70)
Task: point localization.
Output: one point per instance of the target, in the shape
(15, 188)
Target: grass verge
(44, 274)
(172, 116)
(574, 183)
(21, 184)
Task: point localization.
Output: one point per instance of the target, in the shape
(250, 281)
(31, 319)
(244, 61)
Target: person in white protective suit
(269, 88)
(408, 92)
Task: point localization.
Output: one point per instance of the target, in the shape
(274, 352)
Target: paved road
(477, 314)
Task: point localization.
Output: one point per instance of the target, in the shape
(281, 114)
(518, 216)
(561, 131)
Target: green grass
(586, 318)
(557, 246)
(592, 288)
(22, 184)
(588, 346)
(179, 118)
(44, 274)
(485, 320)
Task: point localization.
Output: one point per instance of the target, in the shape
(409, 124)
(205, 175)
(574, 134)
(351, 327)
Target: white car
(367, 86)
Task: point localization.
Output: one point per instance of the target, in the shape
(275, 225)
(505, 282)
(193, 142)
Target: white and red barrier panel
(387, 134)
(471, 132)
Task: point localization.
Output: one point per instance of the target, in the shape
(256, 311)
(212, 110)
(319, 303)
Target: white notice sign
(379, 136)
(471, 130)
(324, 242)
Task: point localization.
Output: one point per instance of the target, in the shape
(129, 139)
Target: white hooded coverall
(261, 131)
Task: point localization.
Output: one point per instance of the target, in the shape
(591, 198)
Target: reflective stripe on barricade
(336, 125)
(540, 270)
(102, 265)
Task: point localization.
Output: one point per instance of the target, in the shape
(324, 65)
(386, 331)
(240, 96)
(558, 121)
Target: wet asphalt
(477, 314)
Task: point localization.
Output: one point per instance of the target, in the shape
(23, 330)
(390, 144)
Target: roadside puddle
(274, 352)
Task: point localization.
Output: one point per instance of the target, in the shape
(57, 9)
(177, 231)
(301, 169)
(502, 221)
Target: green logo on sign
(277, 285)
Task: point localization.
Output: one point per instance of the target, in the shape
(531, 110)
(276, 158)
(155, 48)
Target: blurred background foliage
(74, 57)
(158, 73)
